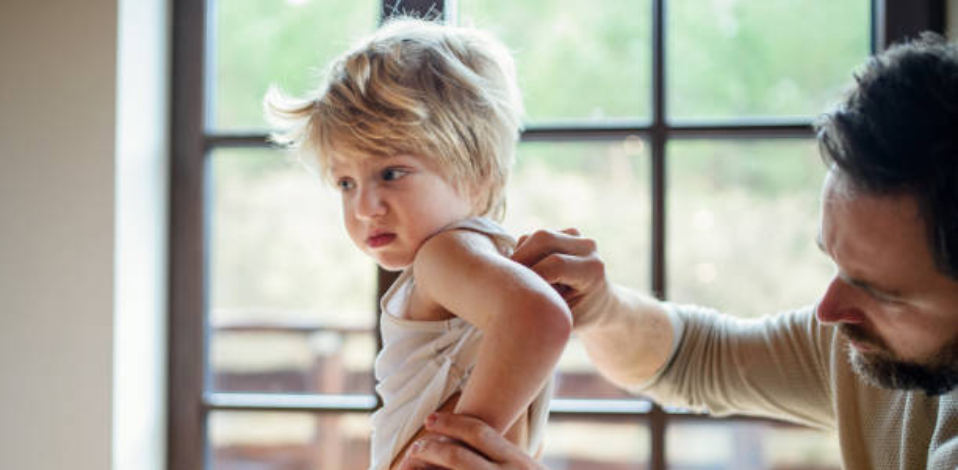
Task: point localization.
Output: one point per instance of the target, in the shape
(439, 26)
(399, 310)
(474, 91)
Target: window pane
(292, 302)
(750, 446)
(740, 58)
(257, 43)
(743, 217)
(575, 60)
(578, 378)
(601, 188)
(288, 441)
(596, 443)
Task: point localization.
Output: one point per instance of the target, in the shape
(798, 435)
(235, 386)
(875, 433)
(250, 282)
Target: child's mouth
(382, 239)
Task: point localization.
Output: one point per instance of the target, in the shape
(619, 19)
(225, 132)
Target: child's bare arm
(525, 323)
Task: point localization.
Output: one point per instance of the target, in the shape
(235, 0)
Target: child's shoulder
(441, 265)
(455, 244)
(466, 248)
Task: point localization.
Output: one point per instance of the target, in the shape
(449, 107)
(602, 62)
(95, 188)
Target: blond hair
(419, 88)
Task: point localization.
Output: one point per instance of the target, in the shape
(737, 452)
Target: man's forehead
(899, 208)
(882, 236)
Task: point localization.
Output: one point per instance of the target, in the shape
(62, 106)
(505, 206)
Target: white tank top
(423, 363)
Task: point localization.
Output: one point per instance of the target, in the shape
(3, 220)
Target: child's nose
(370, 204)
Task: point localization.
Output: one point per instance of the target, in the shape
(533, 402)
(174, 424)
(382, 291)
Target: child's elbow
(550, 322)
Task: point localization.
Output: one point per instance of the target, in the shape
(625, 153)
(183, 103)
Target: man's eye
(884, 298)
(392, 174)
(879, 295)
(345, 184)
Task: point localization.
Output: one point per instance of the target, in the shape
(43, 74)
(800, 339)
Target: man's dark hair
(897, 133)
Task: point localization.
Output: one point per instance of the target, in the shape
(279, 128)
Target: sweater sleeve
(775, 366)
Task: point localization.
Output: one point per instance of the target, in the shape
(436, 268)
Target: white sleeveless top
(423, 363)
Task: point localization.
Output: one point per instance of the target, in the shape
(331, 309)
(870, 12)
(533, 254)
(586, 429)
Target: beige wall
(59, 256)
(56, 201)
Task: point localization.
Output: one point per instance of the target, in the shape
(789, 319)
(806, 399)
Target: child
(417, 127)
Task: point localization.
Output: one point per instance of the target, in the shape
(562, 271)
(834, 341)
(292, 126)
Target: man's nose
(840, 304)
(370, 204)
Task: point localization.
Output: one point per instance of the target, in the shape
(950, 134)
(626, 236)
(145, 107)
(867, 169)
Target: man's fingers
(567, 261)
(532, 248)
(430, 453)
(410, 463)
(578, 273)
(474, 433)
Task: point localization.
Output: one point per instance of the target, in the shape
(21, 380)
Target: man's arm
(774, 367)
(628, 336)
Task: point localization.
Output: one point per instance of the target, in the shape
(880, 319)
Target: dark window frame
(190, 402)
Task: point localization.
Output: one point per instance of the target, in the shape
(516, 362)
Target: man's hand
(571, 264)
(628, 335)
(467, 444)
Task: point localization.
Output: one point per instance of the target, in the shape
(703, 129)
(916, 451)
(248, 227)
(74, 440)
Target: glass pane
(257, 43)
(744, 445)
(737, 58)
(743, 217)
(292, 302)
(574, 60)
(601, 188)
(288, 441)
(596, 443)
(578, 378)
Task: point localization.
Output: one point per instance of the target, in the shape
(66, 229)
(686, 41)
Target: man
(876, 358)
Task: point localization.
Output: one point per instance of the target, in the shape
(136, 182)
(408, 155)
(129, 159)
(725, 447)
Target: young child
(417, 127)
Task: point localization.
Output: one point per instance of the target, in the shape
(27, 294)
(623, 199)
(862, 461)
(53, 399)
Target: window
(673, 130)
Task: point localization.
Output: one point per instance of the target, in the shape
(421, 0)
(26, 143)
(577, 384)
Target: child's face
(391, 205)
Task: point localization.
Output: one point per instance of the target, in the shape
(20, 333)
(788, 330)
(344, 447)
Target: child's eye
(345, 184)
(392, 174)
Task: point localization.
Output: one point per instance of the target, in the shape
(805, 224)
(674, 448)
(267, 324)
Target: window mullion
(895, 21)
(186, 435)
(658, 419)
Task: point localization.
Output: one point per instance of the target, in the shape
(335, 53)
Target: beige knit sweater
(792, 367)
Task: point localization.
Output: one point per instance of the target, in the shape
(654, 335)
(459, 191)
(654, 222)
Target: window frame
(190, 402)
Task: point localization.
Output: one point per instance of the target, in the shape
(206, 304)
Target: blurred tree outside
(278, 245)
(727, 58)
(258, 43)
(742, 225)
(575, 61)
(770, 58)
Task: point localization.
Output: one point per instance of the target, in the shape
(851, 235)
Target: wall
(56, 201)
(62, 216)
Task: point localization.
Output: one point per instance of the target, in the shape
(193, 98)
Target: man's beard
(883, 368)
